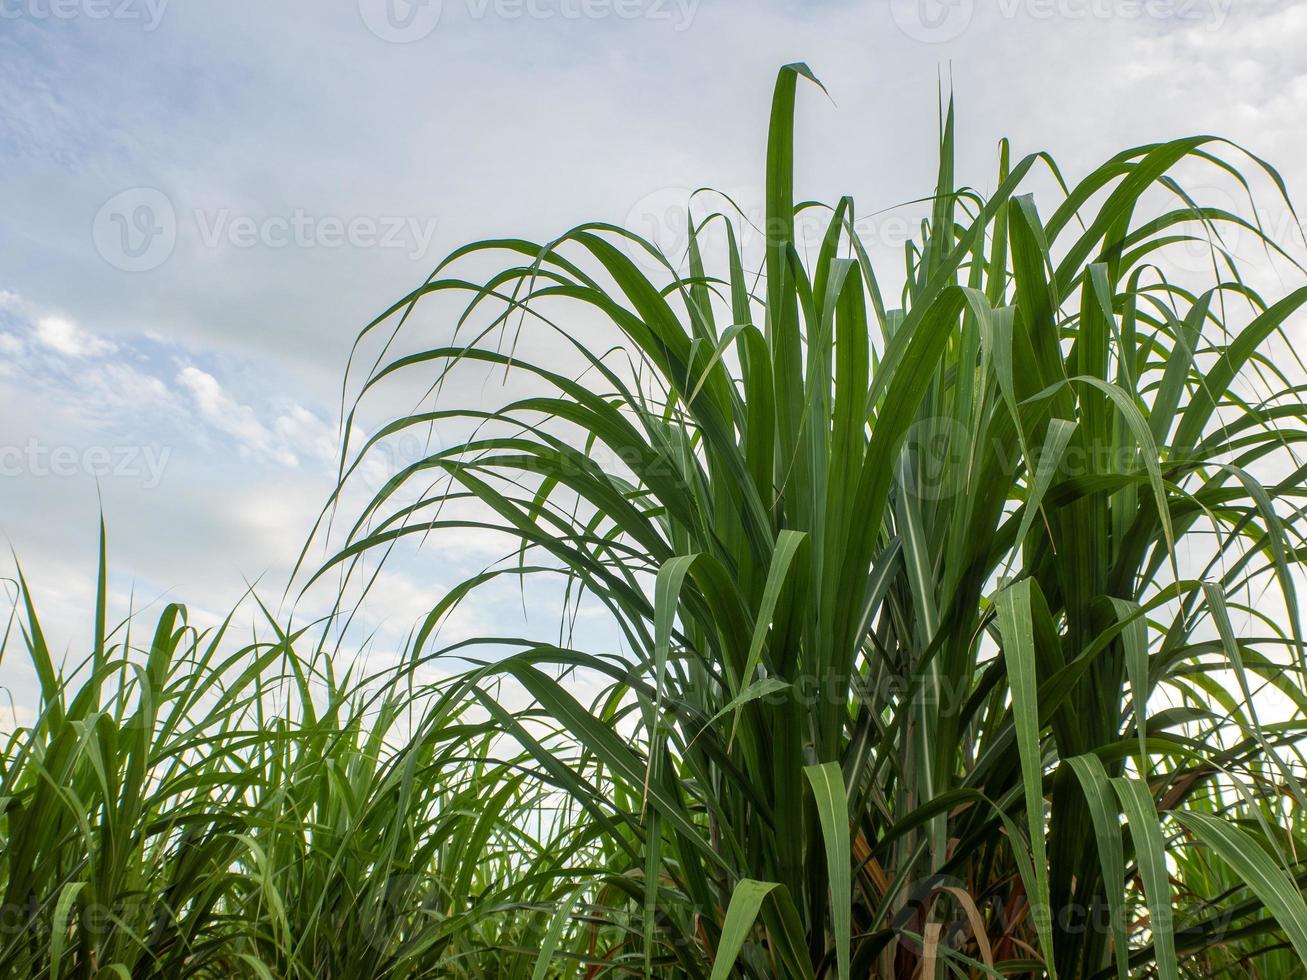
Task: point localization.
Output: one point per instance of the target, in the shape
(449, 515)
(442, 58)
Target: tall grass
(191, 805)
(940, 619)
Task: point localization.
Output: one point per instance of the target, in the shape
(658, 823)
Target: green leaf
(59, 926)
(1111, 852)
(1016, 626)
(554, 932)
(833, 810)
(1254, 867)
(1150, 855)
(741, 915)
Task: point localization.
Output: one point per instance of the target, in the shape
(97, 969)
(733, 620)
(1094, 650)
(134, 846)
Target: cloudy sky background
(203, 202)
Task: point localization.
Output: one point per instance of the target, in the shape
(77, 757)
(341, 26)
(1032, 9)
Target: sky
(203, 201)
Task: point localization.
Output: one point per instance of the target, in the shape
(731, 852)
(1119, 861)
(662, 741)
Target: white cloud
(65, 337)
(227, 415)
(294, 435)
(307, 434)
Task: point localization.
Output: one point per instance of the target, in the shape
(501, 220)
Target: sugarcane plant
(954, 629)
(190, 803)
